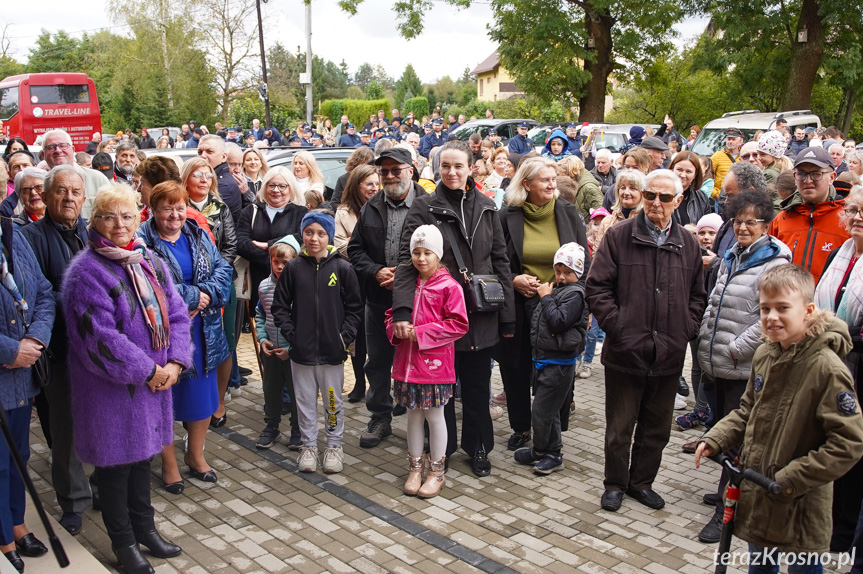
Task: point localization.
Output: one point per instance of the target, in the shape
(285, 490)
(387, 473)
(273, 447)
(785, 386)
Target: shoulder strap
(462, 268)
(254, 214)
(731, 157)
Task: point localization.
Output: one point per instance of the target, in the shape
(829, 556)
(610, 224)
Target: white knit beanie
(428, 237)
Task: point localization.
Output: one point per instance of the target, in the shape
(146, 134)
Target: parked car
(331, 160)
(506, 129)
(712, 137)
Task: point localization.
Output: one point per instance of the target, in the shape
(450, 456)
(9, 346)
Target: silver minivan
(712, 137)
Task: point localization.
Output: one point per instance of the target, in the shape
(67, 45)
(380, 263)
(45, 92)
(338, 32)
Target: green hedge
(243, 111)
(419, 106)
(358, 111)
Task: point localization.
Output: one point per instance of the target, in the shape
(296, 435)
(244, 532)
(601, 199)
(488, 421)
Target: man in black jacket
(374, 252)
(212, 149)
(55, 239)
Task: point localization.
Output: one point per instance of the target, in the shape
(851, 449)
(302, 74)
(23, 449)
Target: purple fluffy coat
(116, 418)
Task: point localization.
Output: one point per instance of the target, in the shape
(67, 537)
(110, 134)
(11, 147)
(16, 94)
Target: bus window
(8, 102)
(60, 94)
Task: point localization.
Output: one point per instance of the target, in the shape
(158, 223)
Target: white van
(712, 137)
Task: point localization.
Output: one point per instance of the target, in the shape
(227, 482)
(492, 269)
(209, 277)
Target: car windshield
(710, 141)
(610, 141)
(464, 132)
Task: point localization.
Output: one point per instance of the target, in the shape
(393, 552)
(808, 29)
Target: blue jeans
(594, 334)
(766, 566)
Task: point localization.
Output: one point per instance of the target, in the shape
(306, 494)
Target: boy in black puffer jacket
(557, 336)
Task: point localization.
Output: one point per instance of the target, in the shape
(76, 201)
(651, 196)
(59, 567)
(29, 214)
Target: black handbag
(41, 369)
(483, 293)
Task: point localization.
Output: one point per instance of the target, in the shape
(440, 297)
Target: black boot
(158, 546)
(132, 561)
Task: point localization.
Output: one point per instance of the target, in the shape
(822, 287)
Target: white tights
(437, 432)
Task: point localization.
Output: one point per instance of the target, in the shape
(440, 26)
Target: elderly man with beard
(374, 253)
(126, 159)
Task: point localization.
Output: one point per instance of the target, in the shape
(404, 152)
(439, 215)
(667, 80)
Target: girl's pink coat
(439, 320)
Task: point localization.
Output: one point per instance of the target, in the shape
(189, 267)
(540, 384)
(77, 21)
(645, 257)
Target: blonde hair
(528, 168)
(788, 277)
(571, 166)
(115, 194)
(282, 249)
(315, 173)
(288, 176)
(313, 198)
(191, 166)
(264, 166)
(631, 176)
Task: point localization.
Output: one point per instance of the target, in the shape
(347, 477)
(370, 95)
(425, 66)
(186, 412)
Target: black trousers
(644, 404)
(728, 395)
(516, 370)
(125, 494)
(473, 370)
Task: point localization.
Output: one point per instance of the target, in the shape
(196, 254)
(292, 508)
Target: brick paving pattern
(263, 516)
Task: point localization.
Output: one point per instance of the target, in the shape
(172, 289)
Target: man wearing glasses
(810, 223)
(374, 252)
(646, 289)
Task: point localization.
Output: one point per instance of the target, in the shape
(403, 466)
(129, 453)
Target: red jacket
(439, 320)
(810, 231)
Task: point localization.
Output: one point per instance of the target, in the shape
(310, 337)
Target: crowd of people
(127, 289)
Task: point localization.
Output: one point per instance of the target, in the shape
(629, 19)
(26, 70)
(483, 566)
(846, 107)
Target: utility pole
(263, 89)
(163, 28)
(309, 61)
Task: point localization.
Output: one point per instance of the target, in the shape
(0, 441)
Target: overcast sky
(453, 39)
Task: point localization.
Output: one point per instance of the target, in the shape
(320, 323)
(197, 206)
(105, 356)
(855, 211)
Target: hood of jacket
(796, 200)
(766, 248)
(558, 133)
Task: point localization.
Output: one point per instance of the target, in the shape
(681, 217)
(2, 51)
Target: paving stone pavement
(263, 516)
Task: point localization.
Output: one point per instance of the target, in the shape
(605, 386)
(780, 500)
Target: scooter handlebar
(767, 484)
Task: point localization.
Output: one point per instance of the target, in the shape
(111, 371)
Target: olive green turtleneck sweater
(541, 241)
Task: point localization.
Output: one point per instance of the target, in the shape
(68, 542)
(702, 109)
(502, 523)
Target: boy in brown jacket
(799, 424)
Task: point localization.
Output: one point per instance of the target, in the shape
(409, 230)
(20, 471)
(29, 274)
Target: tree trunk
(591, 106)
(805, 58)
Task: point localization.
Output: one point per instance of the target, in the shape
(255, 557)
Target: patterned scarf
(850, 307)
(149, 293)
(9, 282)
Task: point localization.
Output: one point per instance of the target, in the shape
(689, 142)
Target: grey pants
(70, 481)
(329, 380)
(551, 386)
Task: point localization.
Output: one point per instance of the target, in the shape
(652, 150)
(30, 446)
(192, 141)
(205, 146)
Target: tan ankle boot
(415, 476)
(434, 480)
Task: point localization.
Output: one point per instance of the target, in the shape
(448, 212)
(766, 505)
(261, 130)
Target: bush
(243, 111)
(358, 111)
(419, 106)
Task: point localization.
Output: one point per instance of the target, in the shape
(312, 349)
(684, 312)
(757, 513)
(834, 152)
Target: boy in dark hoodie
(317, 308)
(557, 331)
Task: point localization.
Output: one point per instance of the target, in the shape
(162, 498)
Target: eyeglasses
(277, 186)
(172, 210)
(750, 223)
(663, 197)
(27, 190)
(813, 175)
(748, 156)
(852, 212)
(111, 220)
(60, 146)
(370, 184)
(202, 174)
(396, 171)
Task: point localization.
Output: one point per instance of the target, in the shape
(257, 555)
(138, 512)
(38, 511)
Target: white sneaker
(584, 371)
(227, 397)
(496, 411)
(308, 459)
(679, 403)
(333, 459)
(235, 391)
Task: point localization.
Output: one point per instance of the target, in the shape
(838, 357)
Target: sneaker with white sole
(496, 411)
(308, 459)
(679, 402)
(584, 371)
(334, 458)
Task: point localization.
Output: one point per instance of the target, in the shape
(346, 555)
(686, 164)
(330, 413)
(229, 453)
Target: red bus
(31, 104)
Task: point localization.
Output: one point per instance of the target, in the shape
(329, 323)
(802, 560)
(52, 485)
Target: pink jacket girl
(439, 320)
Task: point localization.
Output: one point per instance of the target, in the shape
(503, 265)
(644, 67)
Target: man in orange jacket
(809, 223)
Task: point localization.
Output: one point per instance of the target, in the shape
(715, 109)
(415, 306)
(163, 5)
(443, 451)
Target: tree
(572, 46)
(374, 91)
(783, 47)
(408, 83)
(364, 74)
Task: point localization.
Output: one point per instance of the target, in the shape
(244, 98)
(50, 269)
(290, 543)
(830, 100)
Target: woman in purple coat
(128, 341)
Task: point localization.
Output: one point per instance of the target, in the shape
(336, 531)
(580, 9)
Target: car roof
(753, 119)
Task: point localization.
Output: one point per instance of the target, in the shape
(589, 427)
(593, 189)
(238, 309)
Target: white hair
(667, 175)
(285, 173)
(604, 153)
(61, 133)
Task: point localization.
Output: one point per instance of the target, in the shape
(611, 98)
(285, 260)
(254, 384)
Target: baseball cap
(816, 155)
(653, 142)
(733, 133)
(398, 154)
